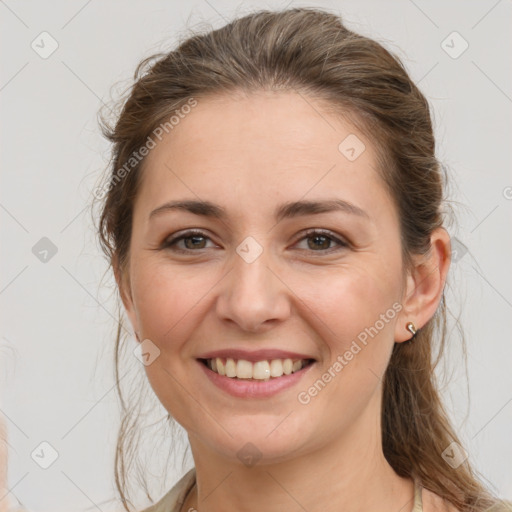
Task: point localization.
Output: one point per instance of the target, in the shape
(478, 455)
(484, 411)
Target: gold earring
(411, 328)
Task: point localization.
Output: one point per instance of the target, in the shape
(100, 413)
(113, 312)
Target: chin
(256, 440)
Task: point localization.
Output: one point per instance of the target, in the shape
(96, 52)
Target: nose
(252, 295)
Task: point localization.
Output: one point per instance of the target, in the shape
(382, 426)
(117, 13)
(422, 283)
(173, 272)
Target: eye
(321, 240)
(192, 239)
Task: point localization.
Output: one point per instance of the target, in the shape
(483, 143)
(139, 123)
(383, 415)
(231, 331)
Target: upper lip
(256, 355)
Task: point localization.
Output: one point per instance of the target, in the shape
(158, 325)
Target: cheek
(348, 302)
(355, 321)
(167, 300)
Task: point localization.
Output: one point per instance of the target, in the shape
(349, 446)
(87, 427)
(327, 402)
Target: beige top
(174, 499)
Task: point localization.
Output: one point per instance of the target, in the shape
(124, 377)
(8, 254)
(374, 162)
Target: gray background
(57, 316)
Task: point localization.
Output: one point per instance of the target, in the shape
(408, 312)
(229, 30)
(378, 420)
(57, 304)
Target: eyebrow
(286, 210)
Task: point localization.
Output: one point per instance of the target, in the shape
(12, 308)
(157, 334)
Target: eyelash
(169, 243)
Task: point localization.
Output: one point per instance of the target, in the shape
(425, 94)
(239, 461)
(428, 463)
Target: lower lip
(254, 388)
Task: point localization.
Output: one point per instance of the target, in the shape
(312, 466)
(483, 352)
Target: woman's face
(252, 282)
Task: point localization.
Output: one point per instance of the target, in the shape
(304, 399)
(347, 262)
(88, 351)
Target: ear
(425, 285)
(124, 286)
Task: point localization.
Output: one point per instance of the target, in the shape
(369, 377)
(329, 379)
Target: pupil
(194, 239)
(320, 237)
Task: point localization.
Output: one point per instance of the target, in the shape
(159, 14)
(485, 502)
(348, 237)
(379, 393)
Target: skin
(249, 154)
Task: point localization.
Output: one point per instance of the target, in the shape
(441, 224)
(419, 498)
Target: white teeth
(260, 370)
(230, 368)
(244, 369)
(276, 368)
(221, 368)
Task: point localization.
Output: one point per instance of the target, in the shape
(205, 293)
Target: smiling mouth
(241, 369)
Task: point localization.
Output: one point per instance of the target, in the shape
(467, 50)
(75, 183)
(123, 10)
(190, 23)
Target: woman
(273, 220)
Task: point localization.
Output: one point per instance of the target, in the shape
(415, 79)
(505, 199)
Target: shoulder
(434, 503)
(173, 499)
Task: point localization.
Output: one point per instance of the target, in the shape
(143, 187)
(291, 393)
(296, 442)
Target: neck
(350, 474)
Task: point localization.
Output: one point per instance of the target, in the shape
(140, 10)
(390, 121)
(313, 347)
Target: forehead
(260, 148)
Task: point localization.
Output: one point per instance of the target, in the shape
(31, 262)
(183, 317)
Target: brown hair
(310, 51)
